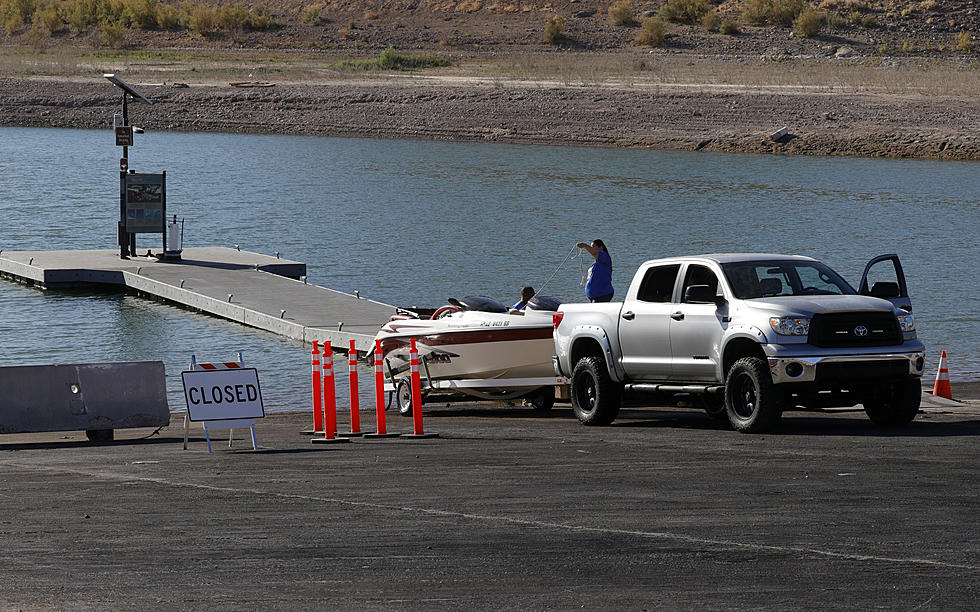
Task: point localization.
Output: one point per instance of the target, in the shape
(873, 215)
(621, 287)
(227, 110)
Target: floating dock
(260, 291)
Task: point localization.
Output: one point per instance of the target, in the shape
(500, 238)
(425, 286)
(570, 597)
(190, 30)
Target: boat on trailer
(474, 347)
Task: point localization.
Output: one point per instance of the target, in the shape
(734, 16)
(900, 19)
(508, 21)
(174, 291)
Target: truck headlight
(790, 326)
(906, 322)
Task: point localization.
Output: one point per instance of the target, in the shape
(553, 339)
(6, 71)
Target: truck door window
(881, 275)
(700, 275)
(658, 284)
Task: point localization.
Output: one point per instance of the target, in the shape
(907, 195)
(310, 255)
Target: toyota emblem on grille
(860, 331)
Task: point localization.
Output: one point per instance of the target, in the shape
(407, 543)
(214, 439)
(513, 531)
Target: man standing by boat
(599, 286)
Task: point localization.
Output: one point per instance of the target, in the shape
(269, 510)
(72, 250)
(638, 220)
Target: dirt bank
(636, 114)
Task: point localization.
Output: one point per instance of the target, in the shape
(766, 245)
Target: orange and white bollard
(416, 381)
(379, 396)
(942, 387)
(355, 404)
(329, 400)
(317, 390)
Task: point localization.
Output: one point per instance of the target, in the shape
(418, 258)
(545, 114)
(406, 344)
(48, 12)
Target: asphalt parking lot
(665, 509)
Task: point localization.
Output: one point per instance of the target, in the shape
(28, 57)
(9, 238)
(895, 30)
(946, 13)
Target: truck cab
(744, 331)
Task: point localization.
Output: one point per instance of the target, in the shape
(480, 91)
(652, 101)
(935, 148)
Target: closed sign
(214, 395)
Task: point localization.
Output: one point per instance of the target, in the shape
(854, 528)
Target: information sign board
(146, 202)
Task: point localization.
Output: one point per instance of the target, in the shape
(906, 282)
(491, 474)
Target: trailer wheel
(595, 396)
(403, 393)
(894, 403)
(753, 403)
(541, 400)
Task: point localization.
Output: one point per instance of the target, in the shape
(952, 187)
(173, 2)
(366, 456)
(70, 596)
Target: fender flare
(598, 335)
(740, 333)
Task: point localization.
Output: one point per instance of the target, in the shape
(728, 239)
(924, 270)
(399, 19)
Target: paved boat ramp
(261, 291)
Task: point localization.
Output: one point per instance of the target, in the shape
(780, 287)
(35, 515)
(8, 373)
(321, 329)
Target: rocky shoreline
(708, 118)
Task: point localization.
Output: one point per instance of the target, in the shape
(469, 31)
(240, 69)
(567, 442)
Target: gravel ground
(638, 115)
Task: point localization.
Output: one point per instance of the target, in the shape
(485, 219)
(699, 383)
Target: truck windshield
(759, 279)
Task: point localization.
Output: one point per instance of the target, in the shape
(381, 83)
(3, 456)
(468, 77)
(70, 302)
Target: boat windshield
(760, 279)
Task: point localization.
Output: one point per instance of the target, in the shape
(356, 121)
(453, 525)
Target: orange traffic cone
(942, 388)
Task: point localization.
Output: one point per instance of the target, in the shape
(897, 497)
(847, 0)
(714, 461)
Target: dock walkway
(257, 290)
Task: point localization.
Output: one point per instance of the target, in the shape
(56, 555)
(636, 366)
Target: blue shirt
(600, 277)
(518, 306)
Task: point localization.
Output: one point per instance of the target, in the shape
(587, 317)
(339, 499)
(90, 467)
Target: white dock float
(248, 288)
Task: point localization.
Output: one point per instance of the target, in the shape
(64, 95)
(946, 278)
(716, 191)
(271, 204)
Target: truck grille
(854, 329)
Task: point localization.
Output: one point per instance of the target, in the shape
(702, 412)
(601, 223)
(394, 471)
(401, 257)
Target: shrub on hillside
(807, 24)
(112, 34)
(842, 5)
(711, 21)
(200, 18)
(553, 29)
(621, 13)
(48, 21)
(728, 27)
(167, 17)
(964, 42)
(140, 14)
(313, 14)
(687, 11)
(653, 33)
(775, 12)
(22, 9)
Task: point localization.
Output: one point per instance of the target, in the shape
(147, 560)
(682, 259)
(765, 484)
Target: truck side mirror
(702, 294)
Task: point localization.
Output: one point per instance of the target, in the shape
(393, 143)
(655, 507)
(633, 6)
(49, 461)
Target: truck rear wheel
(753, 403)
(595, 396)
(895, 403)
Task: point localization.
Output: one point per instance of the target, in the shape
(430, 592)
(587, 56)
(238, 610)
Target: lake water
(410, 222)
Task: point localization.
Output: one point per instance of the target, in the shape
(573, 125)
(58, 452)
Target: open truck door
(884, 278)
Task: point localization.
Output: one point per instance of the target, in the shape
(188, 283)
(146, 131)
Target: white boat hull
(473, 345)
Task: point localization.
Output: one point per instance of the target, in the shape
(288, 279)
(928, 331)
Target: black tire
(100, 435)
(541, 400)
(403, 395)
(752, 402)
(895, 403)
(714, 406)
(595, 396)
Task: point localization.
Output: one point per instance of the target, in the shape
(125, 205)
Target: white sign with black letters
(218, 395)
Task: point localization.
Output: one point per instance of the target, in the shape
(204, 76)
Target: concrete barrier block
(87, 396)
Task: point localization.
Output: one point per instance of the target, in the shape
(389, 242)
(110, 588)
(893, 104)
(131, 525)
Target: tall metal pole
(123, 235)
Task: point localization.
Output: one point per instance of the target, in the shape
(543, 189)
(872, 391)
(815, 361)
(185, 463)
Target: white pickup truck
(749, 336)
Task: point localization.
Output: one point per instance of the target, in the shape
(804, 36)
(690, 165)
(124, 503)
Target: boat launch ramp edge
(253, 289)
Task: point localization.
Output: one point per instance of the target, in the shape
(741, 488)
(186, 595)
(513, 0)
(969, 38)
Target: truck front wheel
(895, 403)
(753, 403)
(595, 396)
